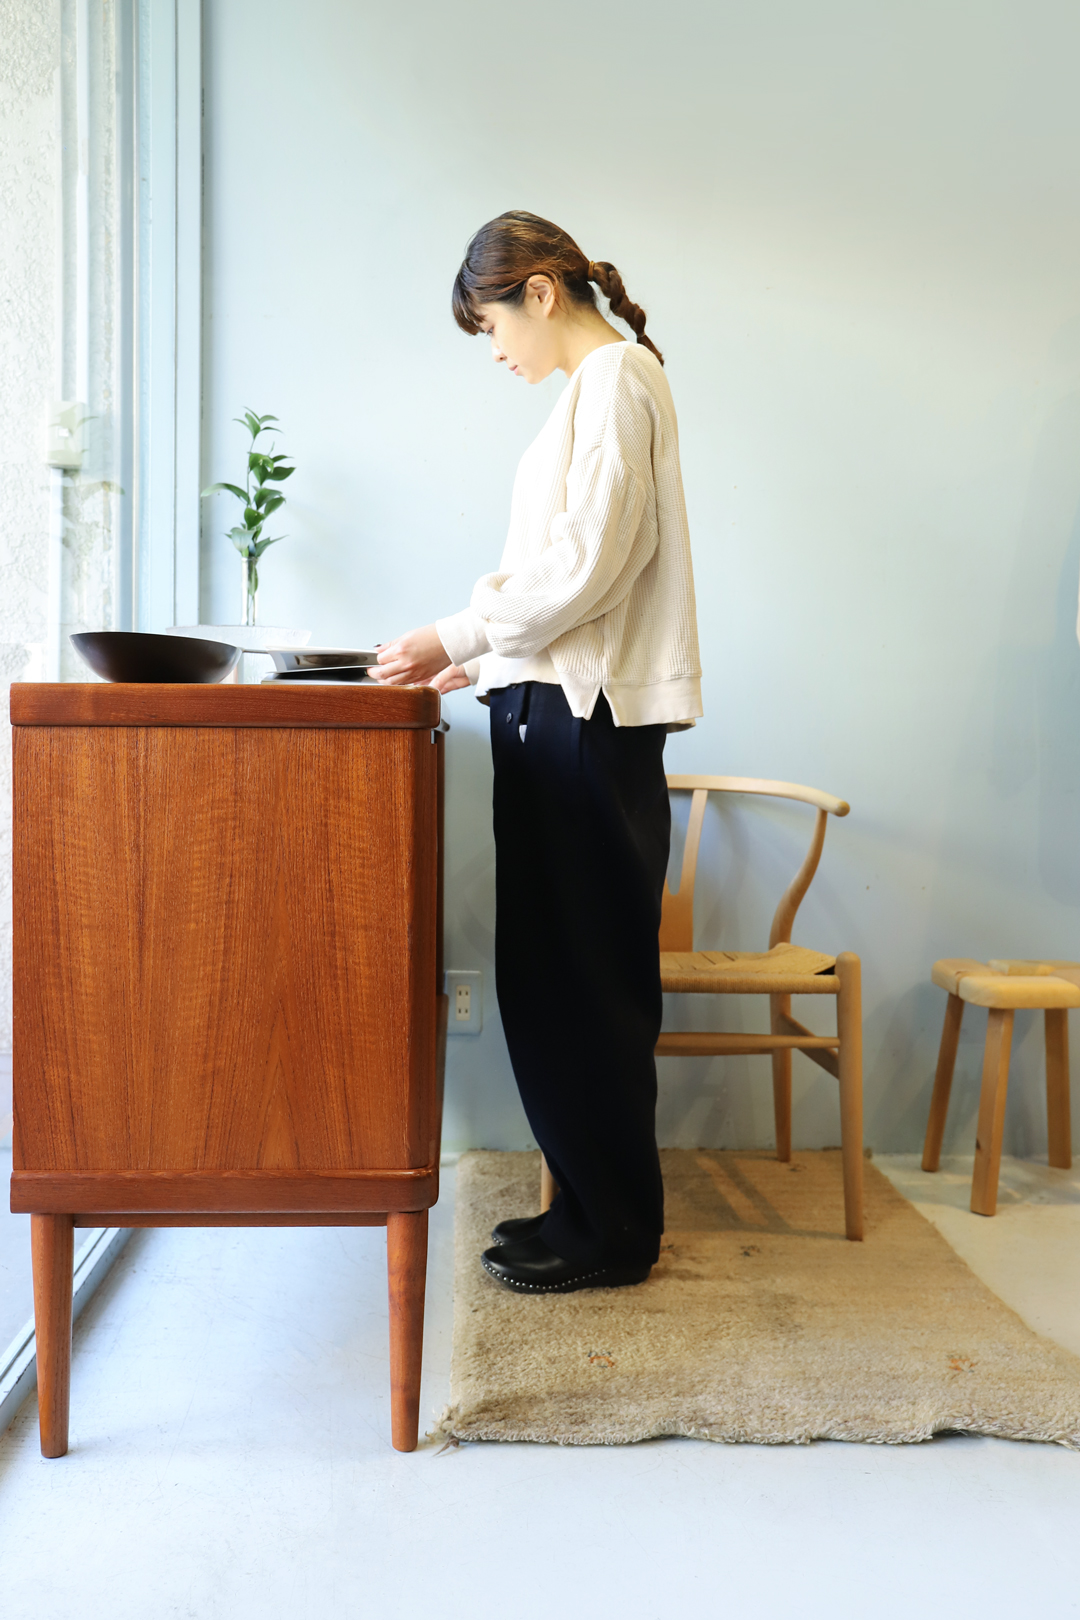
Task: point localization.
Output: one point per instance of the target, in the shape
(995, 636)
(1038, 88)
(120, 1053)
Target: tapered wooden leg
(939, 1102)
(52, 1248)
(995, 1083)
(548, 1185)
(781, 1080)
(1058, 1118)
(406, 1267)
(849, 1029)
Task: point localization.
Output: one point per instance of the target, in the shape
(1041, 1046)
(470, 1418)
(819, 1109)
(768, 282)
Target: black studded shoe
(518, 1228)
(530, 1267)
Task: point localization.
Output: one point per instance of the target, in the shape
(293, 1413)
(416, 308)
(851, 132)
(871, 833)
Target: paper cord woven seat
(724, 972)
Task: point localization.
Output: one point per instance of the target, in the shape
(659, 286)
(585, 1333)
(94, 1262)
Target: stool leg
(406, 1265)
(781, 1080)
(548, 1186)
(939, 1102)
(52, 1247)
(995, 1083)
(1059, 1124)
(849, 1029)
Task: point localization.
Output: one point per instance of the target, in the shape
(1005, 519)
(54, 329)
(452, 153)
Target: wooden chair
(783, 971)
(1003, 986)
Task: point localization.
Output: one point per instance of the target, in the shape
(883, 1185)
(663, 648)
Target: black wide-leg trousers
(582, 828)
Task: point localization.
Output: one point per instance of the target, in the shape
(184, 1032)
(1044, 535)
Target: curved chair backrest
(677, 919)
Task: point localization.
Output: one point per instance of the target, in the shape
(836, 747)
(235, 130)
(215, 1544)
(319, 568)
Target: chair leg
(548, 1186)
(849, 1029)
(995, 1083)
(52, 1248)
(781, 1080)
(1058, 1120)
(406, 1268)
(939, 1102)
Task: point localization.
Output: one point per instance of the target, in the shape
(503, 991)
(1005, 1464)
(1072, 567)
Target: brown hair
(506, 251)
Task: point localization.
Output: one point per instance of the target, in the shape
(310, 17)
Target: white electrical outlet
(465, 990)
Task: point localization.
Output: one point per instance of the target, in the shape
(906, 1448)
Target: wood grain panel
(36, 703)
(126, 1218)
(435, 1110)
(224, 948)
(222, 1192)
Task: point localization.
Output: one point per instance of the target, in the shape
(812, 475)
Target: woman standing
(584, 645)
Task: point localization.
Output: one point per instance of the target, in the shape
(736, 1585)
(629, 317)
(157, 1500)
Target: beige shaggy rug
(760, 1323)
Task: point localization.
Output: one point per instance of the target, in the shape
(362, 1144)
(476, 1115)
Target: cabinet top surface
(298, 704)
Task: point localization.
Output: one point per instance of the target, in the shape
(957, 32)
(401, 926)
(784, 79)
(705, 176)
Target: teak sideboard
(227, 977)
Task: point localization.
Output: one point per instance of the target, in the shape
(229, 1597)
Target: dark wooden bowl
(132, 655)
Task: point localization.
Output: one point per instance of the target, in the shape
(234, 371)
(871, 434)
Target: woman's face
(526, 337)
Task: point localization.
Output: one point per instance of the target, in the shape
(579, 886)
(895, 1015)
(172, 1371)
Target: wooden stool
(1002, 987)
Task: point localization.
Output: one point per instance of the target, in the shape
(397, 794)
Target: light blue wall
(854, 227)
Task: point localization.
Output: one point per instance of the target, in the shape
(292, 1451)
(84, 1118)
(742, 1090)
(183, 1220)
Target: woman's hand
(450, 679)
(414, 659)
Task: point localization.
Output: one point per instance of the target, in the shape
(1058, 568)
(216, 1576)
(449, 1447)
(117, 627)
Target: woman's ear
(540, 293)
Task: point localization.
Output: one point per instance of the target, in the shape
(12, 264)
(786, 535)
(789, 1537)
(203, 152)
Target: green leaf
(258, 549)
(278, 474)
(233, 489)
(252, 518)
(241, 539)
(268, 500)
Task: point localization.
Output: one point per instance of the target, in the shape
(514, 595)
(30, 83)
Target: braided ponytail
(506, 251)
(610, 283)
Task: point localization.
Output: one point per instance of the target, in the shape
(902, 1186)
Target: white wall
(854, 227)
(29, 57)
(61, 323)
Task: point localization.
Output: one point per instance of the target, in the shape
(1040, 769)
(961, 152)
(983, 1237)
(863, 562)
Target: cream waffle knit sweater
(596, 588)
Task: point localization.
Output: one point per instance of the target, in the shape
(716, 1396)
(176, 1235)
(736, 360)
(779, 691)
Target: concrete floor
(1029, 1252)
(230, 1458)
